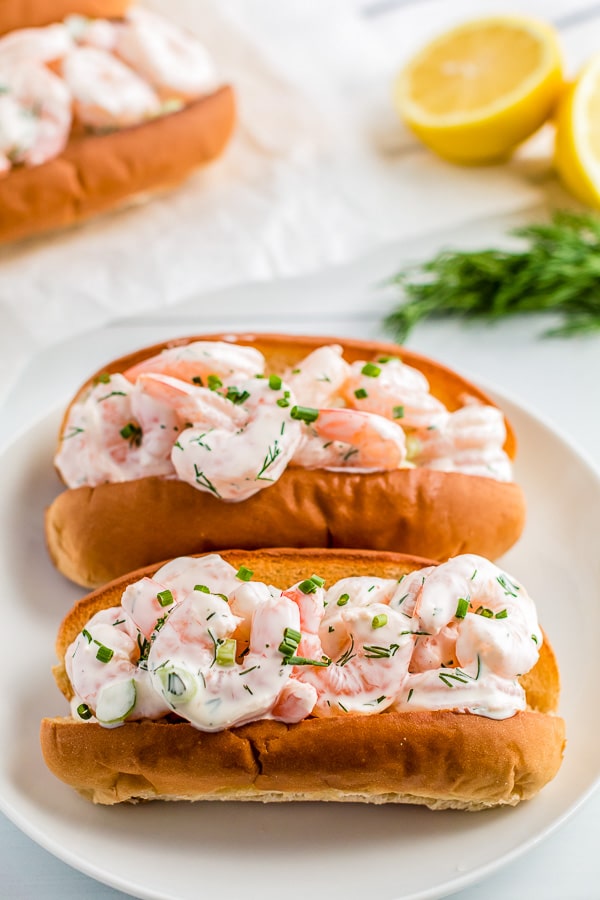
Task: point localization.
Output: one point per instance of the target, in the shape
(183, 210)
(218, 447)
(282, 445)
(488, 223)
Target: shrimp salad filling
(209, 413)
(96, 75)
(205, 641)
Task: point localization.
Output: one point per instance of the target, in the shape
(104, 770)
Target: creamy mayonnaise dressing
(205, 641)
(208, 414)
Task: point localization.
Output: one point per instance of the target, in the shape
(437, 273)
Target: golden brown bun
(95, 534)
(440, 759)
(35, 13)
(98, 172)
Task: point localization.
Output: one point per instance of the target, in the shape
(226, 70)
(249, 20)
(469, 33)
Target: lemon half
(476, 92)
(577, 151)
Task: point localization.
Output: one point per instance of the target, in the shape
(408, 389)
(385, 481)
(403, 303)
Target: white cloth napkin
(320, 171)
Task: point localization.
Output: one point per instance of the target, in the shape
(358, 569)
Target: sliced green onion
(398, 412)
(104, 654)
(165, 598)
(202, 587)
(226, 652)
(83, 711)
(236, 396)
(486, 613)
(292, 635)
(116, 701)
(317, 580)
(343, 599)
(462, 607)
(361, 394)
(132, 433)
(371, 370)
(275, 382)
(214, 382)
(308, 586)
(244, 574)
(283, 402)
(178, 684)
(379, 620)
(305, 413)
(502, 614)
(103, 378)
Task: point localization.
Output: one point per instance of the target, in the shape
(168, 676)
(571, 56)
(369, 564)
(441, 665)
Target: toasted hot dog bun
(35, 13)
(95, 534)
(439, 759)
(97, 172)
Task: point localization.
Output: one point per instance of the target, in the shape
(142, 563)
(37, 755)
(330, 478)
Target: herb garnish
(556, 272)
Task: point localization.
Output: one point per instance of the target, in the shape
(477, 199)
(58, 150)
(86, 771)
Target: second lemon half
(473, 94)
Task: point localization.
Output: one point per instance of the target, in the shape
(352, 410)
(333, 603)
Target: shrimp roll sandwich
(267, 440)
(95, 111)
(248, 675)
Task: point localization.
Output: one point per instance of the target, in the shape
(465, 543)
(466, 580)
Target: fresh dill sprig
(557, 271)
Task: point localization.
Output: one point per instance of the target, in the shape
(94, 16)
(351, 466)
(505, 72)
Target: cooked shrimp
(184, 573)
(351, 439)
(317, 380)
(35, 114)
(192, 662)
(102, 665)
(470, 441)
(116, 433)
(392, 389)
(489, 617)
(35, 45)
(198, 361)
(168, 57)
(191, 404)
(375, 648)
(245, 450)
(350, 593)
(106, 92)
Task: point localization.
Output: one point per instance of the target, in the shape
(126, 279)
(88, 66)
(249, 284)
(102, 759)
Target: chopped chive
(410, 693)
(104, 654)
(197, 379)
(237, 396)
(226, 651)
(83, 711)
(305, 413)
(317, 580)
(302, 661)
(379, 620)
(308, 586)
(283, 402)
(387, 359)
(343, 599)
(371, 370)
(462, 608)
(341, 706)
(275, 382)
(203, 588)
(165, 598)
(331, 629)
(486, 613)
(534, 638)
(244, 574)
(132, 433)
(87, 635)
(398, 412)
(502, 614)
(103, 378)
(214, 382)
(292, 634)
(361, 394)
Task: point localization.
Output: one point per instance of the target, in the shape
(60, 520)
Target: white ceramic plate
(182, 851)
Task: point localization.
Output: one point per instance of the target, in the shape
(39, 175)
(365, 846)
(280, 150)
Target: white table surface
(557, 379)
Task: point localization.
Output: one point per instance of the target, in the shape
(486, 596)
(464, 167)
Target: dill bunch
(556, 271)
